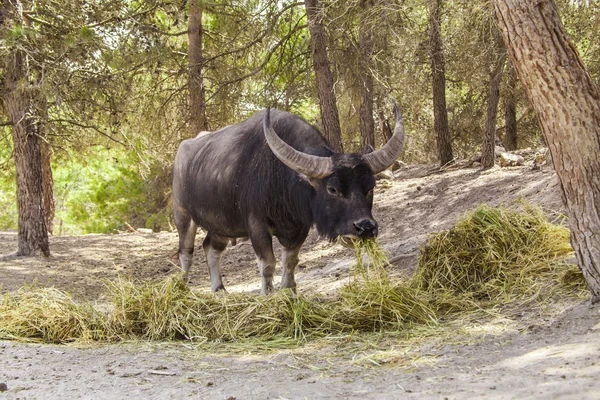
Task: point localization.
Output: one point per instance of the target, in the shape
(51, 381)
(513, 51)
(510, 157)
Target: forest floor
(541, 354)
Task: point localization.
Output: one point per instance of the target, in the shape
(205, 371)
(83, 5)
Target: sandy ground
(533, 355)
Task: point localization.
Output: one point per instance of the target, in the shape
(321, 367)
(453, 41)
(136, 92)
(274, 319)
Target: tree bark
(386, 129)
(438, 70)
(489, 135)
(510, 110)
(323, 75)
(365, 44)
(567, 102)
(41, 104)
(18, 98)
(198, 121)
(48, 186)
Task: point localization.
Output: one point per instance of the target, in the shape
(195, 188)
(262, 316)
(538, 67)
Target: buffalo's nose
(366, 228)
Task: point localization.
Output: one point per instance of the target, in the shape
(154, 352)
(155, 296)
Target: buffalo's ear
(368, 149)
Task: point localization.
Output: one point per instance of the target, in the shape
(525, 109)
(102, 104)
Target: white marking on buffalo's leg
(213, 248)
(262, 243)
(213, 259)
(266, 266)
(186, 257)
(289, 261)
(186, 247)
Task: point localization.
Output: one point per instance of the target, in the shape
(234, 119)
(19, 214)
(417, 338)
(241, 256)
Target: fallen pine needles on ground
(492, 257)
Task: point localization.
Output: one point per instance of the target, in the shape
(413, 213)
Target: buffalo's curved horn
(384, 157)
(307, 164)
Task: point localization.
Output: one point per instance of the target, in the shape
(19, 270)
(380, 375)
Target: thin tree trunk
(198, 121)
(510, 114)
(365, 44)
(438, 70)
(323, 75)
(567, 102)
(386, 129)
(32, 235)
(489, 135)
(48, 186)
(41, 104)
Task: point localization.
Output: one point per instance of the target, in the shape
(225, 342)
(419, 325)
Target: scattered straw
(491, 258)
(372, 301)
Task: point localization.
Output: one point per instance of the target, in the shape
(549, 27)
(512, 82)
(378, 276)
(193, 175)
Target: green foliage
(114, 73)
(8, 184)
(102, 193)
(582, 22)
(8, 203)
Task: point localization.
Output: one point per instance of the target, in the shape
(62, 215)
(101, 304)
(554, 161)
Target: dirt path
(532, 357)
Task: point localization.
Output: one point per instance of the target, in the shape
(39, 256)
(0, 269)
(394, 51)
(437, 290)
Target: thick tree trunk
(489, 135)
(198, 120)
(32, 235)
(438, 70)
(365, 44)
(323, 75)
(567, 102)
(510, 110)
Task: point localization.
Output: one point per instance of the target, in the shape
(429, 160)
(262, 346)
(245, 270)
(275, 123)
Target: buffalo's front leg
(186, 229)
(262, 243)
(213, 248)
(266, 266)
(289, 261)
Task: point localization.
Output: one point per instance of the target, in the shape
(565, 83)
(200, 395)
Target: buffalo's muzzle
(367, 228)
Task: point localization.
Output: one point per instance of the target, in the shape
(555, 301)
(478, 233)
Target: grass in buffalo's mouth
(492, 258)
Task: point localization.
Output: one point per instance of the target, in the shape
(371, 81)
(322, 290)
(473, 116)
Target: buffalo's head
(343, 182)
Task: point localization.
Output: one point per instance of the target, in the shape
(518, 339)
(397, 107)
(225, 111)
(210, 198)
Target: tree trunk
(510, 114)
(489, 135)
(440, 113)
(567, 102)
(386, 129)
(365, 44)
(323, 75)
(198, 120)
(41, 104)
(48, 186)
(32, 235)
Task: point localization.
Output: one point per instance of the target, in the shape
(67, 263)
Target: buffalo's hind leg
(213, 248)
(186, 228)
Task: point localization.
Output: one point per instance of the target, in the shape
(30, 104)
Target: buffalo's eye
(333, 191)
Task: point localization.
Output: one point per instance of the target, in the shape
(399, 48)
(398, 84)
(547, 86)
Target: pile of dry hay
(492, 256)
(498, 256)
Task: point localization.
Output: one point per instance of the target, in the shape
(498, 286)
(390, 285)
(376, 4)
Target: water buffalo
(273, 175)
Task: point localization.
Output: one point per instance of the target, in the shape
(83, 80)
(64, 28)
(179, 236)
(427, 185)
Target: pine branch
(264, 63)
(92, 127)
